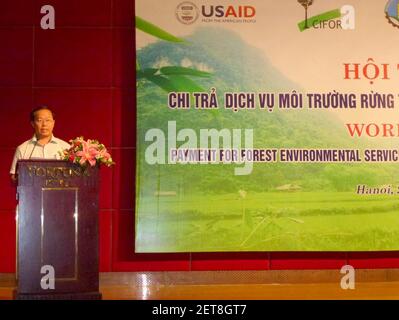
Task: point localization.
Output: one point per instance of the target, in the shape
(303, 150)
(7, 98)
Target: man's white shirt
(31, 149)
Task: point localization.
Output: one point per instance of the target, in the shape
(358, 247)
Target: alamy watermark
(348, 280)
(209, 146)
(48, 280)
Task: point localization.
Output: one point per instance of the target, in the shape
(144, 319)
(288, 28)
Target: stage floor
(238, 285)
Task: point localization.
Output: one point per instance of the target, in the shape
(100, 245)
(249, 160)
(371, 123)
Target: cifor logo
(340, 18)
(306, 4)
(187, 12)
(392, 12)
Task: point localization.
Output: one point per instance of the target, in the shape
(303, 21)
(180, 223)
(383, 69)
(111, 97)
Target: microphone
(33, 150)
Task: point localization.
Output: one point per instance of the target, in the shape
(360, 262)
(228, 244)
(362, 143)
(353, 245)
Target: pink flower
(88, 153)
(104, 154)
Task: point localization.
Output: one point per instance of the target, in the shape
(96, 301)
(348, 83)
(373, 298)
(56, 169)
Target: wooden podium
(57, 227)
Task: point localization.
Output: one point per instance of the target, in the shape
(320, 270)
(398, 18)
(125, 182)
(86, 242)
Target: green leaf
(172, 70)
(163, 82)
(173, 83)
(155, 31)
(184, 84)
(140, 74)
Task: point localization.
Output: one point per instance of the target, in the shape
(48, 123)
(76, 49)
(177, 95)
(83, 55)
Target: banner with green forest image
(267, 126)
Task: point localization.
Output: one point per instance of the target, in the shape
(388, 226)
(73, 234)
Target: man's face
(43, 124)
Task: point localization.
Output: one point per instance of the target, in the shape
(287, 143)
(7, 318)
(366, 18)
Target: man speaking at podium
(43, 144)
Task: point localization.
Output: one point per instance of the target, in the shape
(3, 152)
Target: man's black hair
(32, 113)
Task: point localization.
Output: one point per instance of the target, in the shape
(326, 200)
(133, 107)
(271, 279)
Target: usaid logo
(392, 12)
(188, 13)
(228, 11)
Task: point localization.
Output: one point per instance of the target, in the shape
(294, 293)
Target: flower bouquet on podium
(87, 153)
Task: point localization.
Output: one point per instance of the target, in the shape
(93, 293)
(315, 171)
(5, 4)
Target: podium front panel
(57, 227)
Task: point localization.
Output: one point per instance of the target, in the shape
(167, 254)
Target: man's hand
(14, 178)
